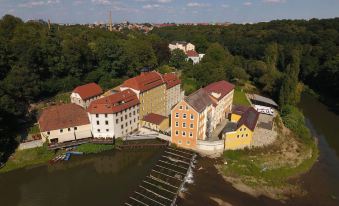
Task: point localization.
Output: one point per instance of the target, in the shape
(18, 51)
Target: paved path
(30, 145)
(218, 130)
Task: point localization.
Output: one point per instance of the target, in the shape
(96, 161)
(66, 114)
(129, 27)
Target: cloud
(32, 4)
(150, 6)
(274, 1)
(101, 2)
(225, 6)
(247, 3)
(196, 4)
(164, 1)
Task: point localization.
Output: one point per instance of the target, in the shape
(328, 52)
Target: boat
(75, 153)
(67, 157)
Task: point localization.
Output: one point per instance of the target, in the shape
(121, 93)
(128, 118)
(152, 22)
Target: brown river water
(109, 178)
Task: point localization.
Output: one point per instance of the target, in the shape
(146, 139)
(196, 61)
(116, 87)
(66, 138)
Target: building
(221, 93)
(194, 118)
(194, 56)
(150, 88)
(182, 45)
(155, 122)
(114, 116)
(85, 94)
(174, 94)
(62, 123)
(239, 134)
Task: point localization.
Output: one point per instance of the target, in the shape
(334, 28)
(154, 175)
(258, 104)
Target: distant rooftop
(263, 99)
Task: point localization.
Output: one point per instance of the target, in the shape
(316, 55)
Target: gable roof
(114, 103)
(154, 118)
(171, 80)
(62, 116)
(192, 53)
(249, 119)
(179, 42)
(145, 81)
(88, 90)
(219, 89)
(199, 100)
(239, 109)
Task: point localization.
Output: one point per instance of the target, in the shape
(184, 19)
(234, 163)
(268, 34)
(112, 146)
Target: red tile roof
(171, 80)
(192, 53)
(249, 119)
(222, 87)
(114, 103)
(154, 118)
(145, 81)
(62, 116)
(88, 90)
(240, 110)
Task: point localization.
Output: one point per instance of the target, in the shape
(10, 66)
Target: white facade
(224, 105)
(76, 99)
(174, 95)
(196, 59)
(115, 124)
(182, 46)
(67, 134)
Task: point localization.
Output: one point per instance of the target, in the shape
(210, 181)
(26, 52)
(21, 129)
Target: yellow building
(155, 122)
(238, 134)
(151, 90)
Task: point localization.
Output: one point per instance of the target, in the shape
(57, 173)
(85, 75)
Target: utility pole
(110, 21)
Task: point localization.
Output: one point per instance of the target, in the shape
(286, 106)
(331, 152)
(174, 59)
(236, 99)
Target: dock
(162, 186)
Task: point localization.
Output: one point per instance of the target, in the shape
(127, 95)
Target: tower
(110, 21)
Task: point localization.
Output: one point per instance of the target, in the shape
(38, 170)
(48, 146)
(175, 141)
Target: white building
(194, 56)
(174, 93)
(114, 116)
(184, 46)
(62, 123)
(85, 94)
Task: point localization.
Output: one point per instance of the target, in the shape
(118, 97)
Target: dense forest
(38, 61)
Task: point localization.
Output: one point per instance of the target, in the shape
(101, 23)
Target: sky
(159, 11)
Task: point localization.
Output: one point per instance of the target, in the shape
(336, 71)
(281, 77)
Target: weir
(161, 187)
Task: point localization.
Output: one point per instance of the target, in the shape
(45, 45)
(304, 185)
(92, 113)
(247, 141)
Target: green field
(240, 98)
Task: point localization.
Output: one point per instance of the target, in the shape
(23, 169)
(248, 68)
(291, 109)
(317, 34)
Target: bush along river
(107, 178)
(321, 183)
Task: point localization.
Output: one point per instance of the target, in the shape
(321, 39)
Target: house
(239, 135)
(150, 88)
(194, 118)
(182, 45)
(114, 116)
(174, 93)
(62, 123)
(155, 122)
(237, 112)
(194, 56)
(85, 94)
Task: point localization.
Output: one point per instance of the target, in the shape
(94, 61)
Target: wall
(235, 117)
(182, 137)
(210, 147)
(238, 139)
(67, 134)
(173, 96)
(153, 101)
(76, 99)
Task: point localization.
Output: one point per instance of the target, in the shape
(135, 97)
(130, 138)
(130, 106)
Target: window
(121, 119)
(183, 133)
(97, 115)
(246, 135)
(191, 134)
(184, 125)
(133, 112)
(48, 133)
(69, 129)
(188, 142)
(61, 131)
(126, 124)
(130, 114)
(179, 142)
(98, 130)
(240, 129)
(244, 129)
(122, 126)
(106, 122)
(177, 124)
(237, 136)
(97, 122)
(177, 132)
(191, 126)
(186, 107)
(180, 107)
(117, 121)
(130, 122)
(105, 115)
(125, 116)
(184, 116)
(107, 130)
(192, 117)
(242, 135)
(75, 128)
(176, 115)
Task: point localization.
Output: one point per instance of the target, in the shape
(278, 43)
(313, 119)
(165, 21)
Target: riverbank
(268, 171)
(41, 155)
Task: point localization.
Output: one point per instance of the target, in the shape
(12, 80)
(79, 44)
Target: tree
(178, 58)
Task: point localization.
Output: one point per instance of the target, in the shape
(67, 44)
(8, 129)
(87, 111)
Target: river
(321, 182)
(103, 179)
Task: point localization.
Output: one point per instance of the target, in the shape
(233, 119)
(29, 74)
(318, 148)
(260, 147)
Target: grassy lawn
(97, 148)
(240, 98)
(24, 158)
(63, 98)
(34, 129)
